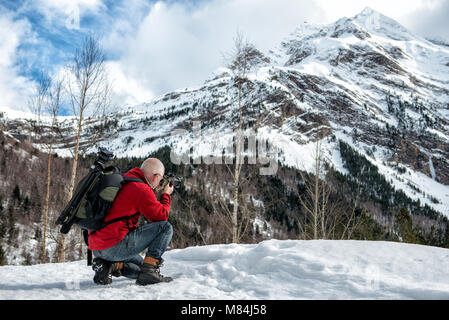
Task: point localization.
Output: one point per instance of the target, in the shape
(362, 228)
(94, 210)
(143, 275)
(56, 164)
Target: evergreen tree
(446, 236)
(2, 256)
(16, 193)
(404, 226)
(11, 225)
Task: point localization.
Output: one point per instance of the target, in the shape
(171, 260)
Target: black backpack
(98, 199)
(93, 197)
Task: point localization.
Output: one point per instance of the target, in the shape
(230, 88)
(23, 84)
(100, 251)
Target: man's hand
(168, 188)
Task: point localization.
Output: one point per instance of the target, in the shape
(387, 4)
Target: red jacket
(134, 197)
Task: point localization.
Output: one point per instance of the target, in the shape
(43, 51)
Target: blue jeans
(153, 236)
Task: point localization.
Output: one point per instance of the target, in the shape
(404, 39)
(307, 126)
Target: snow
(9, 113)
(264, 227)
(403, 182)
(272, 269)
(432, 168)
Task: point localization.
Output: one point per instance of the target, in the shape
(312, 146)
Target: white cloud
(395, 9)
(14, 88)
(127, 90)
(67, 11)
(62, 5)
(431, 20)
(179, 45)
(122, 23)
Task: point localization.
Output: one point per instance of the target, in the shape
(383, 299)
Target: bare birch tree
(220, 204)
(38, 102)
(325, 218)
(87, 88)
(240, 63)
(310, 201)
(53, 107)
(190, 204)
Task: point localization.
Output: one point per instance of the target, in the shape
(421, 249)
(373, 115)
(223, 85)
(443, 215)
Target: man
(116, 247)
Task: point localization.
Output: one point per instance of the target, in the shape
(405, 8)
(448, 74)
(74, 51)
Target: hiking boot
(105, 269)
(102, 270)
(150, 273)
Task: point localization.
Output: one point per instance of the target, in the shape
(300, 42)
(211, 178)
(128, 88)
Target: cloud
(127, 91)
(122, 21)
(431, 20)
(37, 37)
(179, 45)
(396, 9)
(14, 87)
(68, 12)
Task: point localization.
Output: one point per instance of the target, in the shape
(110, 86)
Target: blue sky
(58, 34)
(153, 47)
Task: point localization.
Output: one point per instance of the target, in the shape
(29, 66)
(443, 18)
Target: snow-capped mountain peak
(377, 23)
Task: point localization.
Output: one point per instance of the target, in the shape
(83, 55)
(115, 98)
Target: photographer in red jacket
(117, 246)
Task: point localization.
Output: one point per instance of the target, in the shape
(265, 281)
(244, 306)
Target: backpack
(92, 199)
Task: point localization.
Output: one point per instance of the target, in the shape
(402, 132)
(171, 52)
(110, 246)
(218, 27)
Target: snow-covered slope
(273, 269)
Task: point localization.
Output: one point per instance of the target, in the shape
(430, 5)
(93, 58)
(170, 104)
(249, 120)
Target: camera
(170, 179)
(104, 155)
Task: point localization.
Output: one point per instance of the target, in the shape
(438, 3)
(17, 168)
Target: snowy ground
(273, 269)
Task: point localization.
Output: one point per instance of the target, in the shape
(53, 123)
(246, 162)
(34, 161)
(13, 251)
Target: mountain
(373, 93)
(365, 80)
(270, 270)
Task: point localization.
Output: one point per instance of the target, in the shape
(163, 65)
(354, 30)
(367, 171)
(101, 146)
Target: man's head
(154, 170)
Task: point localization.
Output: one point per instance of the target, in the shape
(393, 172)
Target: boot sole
(145, 283)
(141, 283)
(102, 282)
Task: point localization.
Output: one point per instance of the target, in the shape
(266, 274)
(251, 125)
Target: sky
(154, 47)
